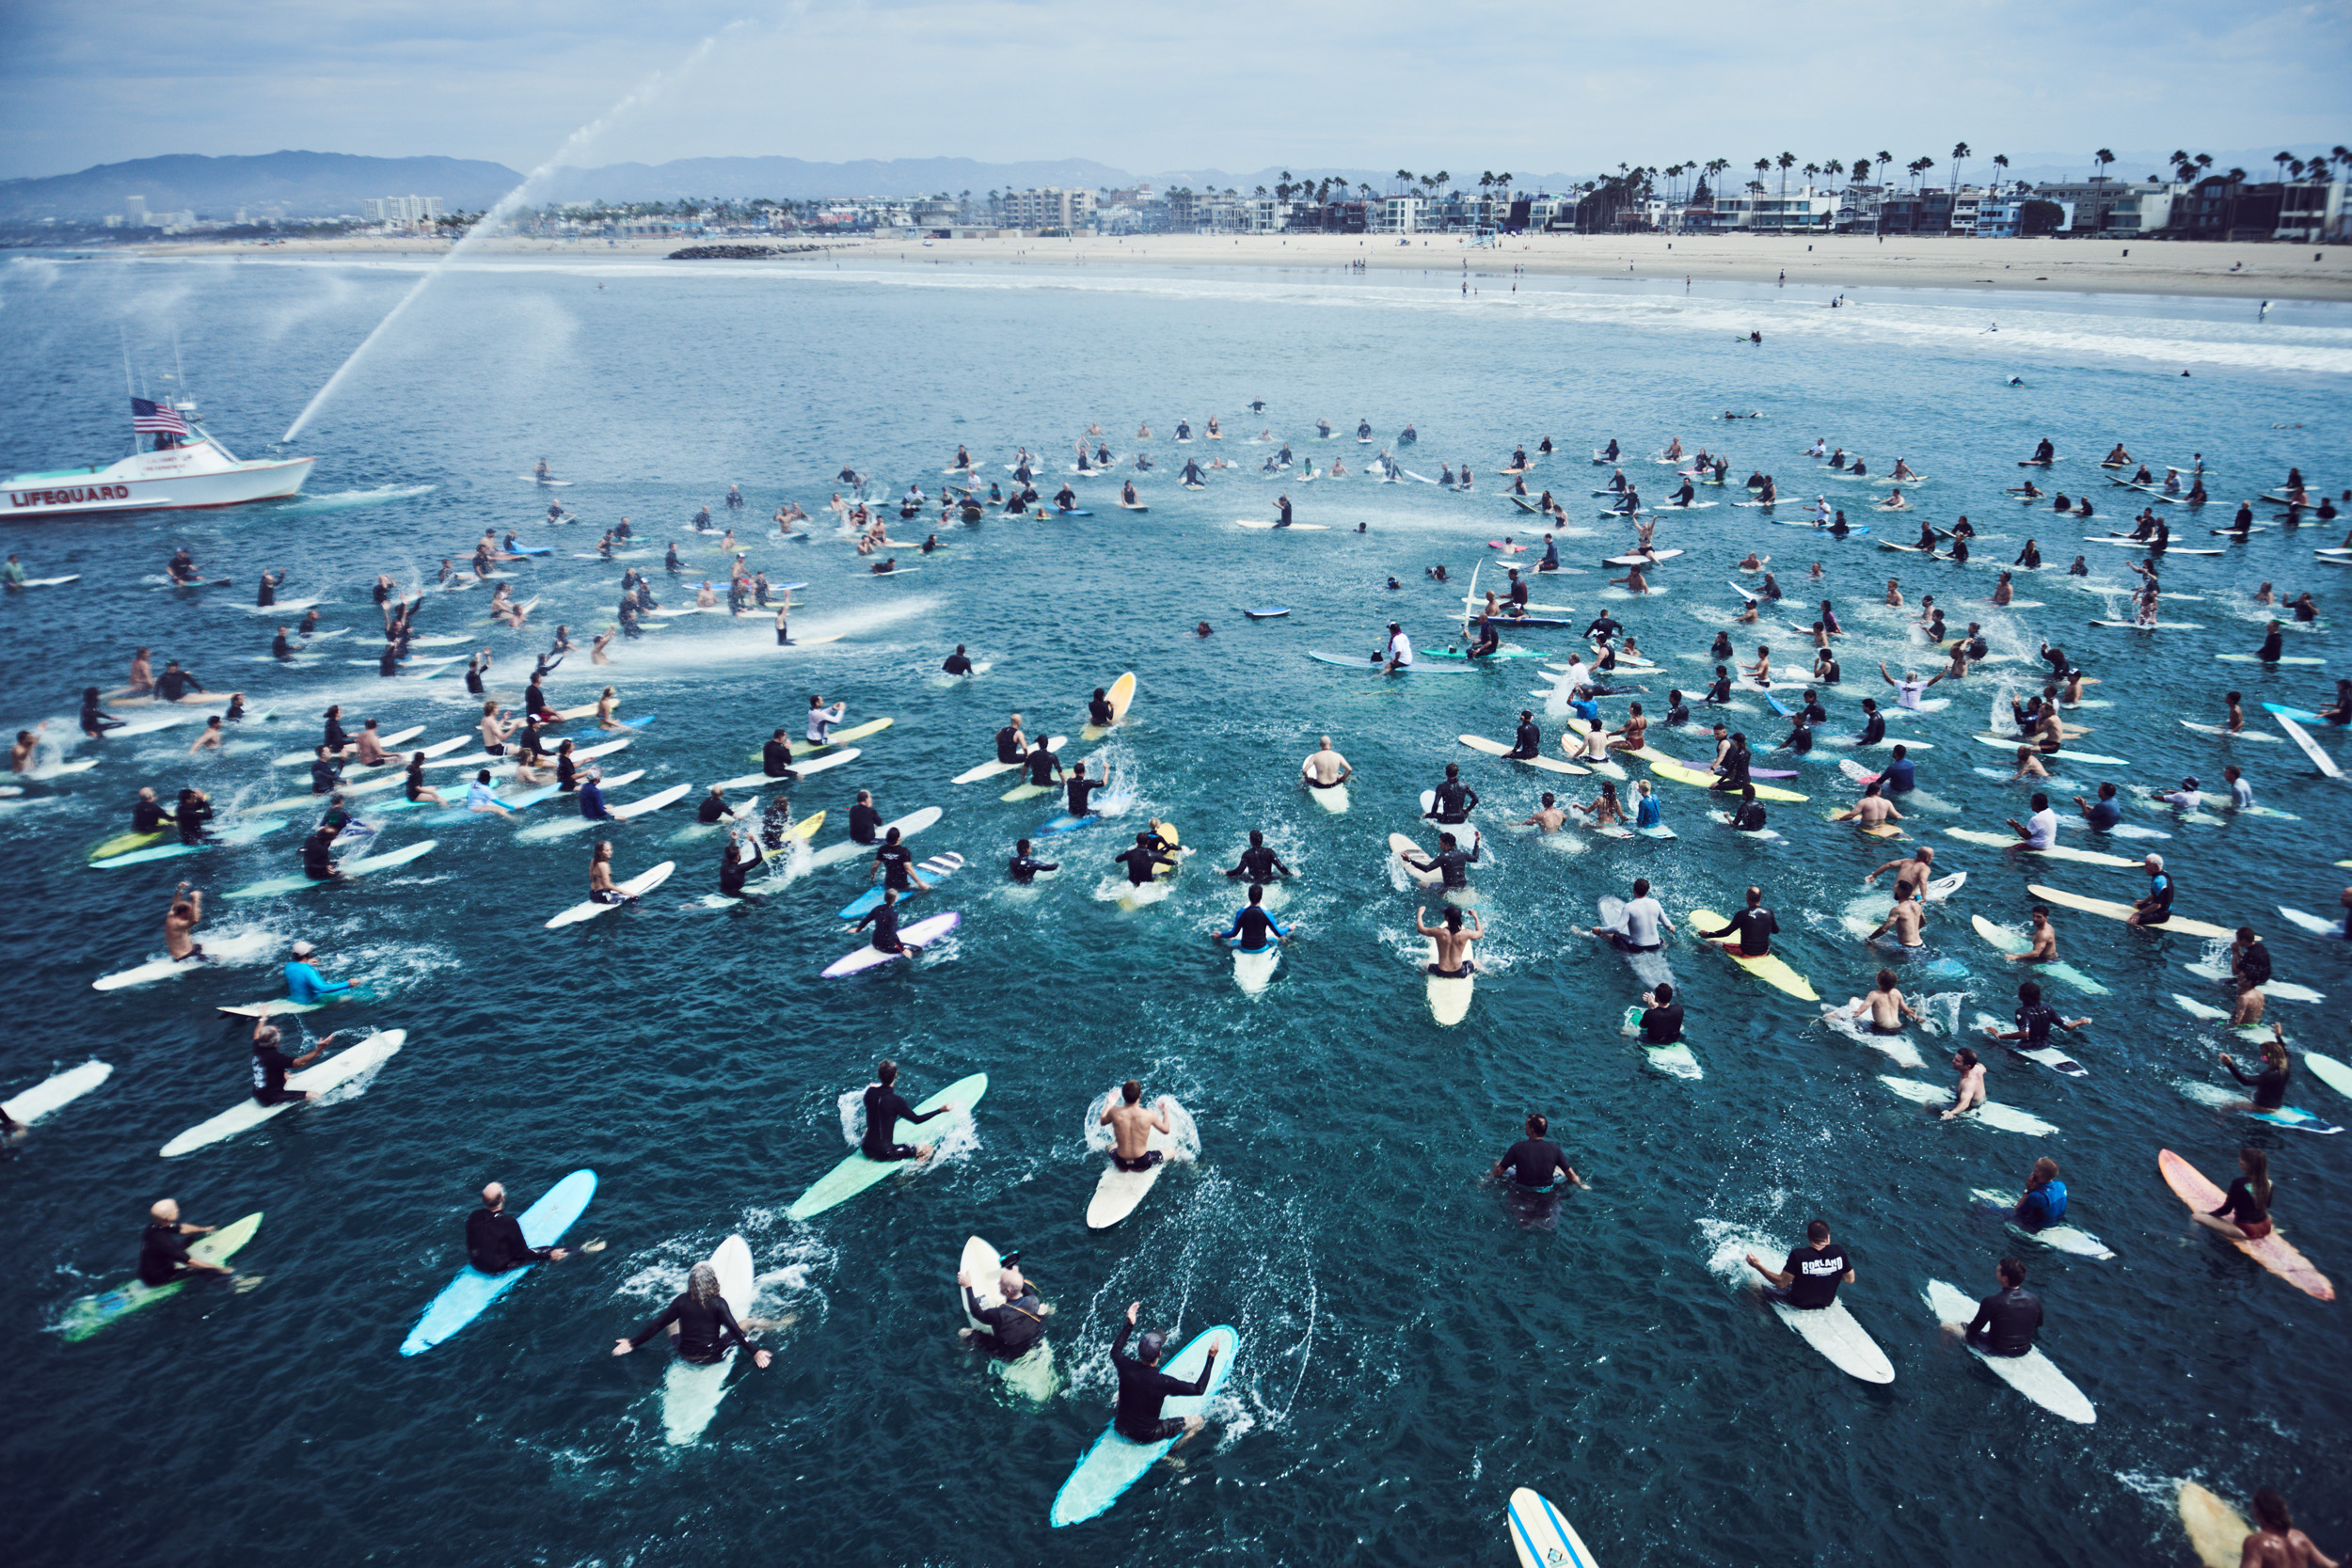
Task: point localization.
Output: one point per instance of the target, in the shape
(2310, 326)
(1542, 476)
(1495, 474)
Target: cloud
(1484, 84)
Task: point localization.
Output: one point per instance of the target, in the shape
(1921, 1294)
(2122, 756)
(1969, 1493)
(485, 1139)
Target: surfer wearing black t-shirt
(1809, 1281)
(1535, 1161)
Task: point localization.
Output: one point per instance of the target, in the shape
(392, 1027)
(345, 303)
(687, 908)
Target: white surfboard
(992, 769)
(1118, 1192)
(2005, 1118)
(907, 825)
(690, 1394)
(2059, 1238)
(1541, 1537)
(1831, 1330)
(1254, 971)
(1855, 1023)
(249, 1113)
(915, 936)
(220, 952)
(2032, 1374)
(57, 1089)
(1333, 799)
(1031, 1375)
(635, 887)
(1448, 999)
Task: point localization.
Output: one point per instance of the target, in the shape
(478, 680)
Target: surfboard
(1831, 1330)
(1769, 969)
(1268, 614)
(911, 824)
(1032, 1375)
(761, 781)
(2272, 1252)
(1495, 749)
(2009, 940)
(1113, 1464)
(2007, 1119)
(2010, 743)
(1294, 527)
(1402, 846)
(2327, 1070)
(123, 844)
(690, 1393)
(2215, 1097)
(856, 1173)
(249, 1113)
(1118, 1192)
(2060, 1237)
(473, 1293)
(56, 1090)
(89, 1314)
(2123, 911)
(635, 887)
(238, 833)
(2302, 738)
(1676, 1060)
(992, 769)
(2055, 852)
(1449, 996)
(1680, 774)
(360, 866)
(837, 738)
(2251, 658)
(869, 956)
(1333, 799)
(1541, 1537)
(2217, 1532)
(1372, 666)
(936, 869)
(2032, 1374)
(2050, 1056)
(1253, 968)
(1120, 694)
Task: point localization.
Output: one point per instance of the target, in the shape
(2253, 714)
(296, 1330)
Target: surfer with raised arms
(1452, 944)
(1142, 1386)
(1808, 1282)
(180, 923)
(1258, 863)
(884, 1109)
(700, 1320)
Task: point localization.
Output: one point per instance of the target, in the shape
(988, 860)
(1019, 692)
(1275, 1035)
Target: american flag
(156, 419)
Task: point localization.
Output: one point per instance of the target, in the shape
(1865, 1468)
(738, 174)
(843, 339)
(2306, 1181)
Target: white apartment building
(1400, 214)
(402, 208)
(1049, 207)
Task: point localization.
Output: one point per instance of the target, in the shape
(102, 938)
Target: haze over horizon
(1521, 86)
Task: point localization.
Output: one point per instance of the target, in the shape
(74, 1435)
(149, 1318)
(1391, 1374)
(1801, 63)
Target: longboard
(855, 1174)
(89, 1314)
(761, 781)
(1119, 1193)
(1120, 693)
(55, 1091)
(2272, 1252)
(351, 869)
(2056, 852)
(1333, 799)
(1113, 1464)
(1769, 969)
(850, 848)
(473, 1293)
(1541, 1537)
(249, 1113)
(936, 869)
(2060, 1237)
(919, 935)
(635, 887)
(2217, 1532)
(2010, 743)
(690, 1393)
(992, 769)
(1831, 1330)
(2123, 911)
(1680, 774)
(2008, 1119)
(2302, 738)
(836, 738)
(2032, 1374)
(2010, 941)
(1497, 749)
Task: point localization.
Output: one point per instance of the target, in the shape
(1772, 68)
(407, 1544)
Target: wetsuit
(1678, 715)
(1008, 744)
(2269, 1085)
(883, 917)
(270, 1067)
(1735, 766)
(2004, 1322)
(898, 865)
(1800, 740)
(1531, 741)
(1661, 1025)
(1452, 802)
(280, 648)
(2273, 647)
(2037, 1019)
(1024, 868)
(1749, 819)
(1013, 1327)
(865, 824)
(1043, 765)
(172, 685)
(494, 1242)
(2244, 1210)
(1533, 1163)
(148, 817)
(1143, 864)
(956, 664)
(704, 1329)
(591, 802)
(1754, 928)
(163, 1254)
(1819, 1272)
(318, 858)
(1259, 863)
(324, 776)
(711, 810)
(775, 760)
(1873, 730)
(1141, 1391)
(1079, 791)
(884, 1110)
(1253, 931)
(1450, 863)
(2157, 907)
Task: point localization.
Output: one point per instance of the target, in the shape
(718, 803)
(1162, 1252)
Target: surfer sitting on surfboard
(2006, 1320)
(1809, 1282)
(164, 1250)
(1013, 1327)
(700, 1319)
(1142, 1386)
(1132, 1127)
(1450, 941)
(884, 1110)
(494, 1237)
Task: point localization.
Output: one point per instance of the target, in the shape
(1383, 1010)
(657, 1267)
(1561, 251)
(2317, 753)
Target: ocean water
(1414, 1345)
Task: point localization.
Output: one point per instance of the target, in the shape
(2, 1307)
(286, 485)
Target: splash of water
(534, 183)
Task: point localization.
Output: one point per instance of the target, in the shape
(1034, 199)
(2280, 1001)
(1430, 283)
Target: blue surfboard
(471, 1293)
(1069, 824)
(1115, 1464)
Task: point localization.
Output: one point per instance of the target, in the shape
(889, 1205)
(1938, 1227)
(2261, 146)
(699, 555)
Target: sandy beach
(1826, 264)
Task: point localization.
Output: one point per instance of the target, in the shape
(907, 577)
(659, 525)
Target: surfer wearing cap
(163, 1248)
(1142, 1386)
(1399, 654)
(1808, 1282)
(304, 983)
(2156, 907)
(886, 1109)
(1325, 769)
(702, 1321)
(494, 1239)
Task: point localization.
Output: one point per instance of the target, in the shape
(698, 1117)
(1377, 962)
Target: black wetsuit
(703, 1330)
(865, 824)
(1252, 930)
(775, 760)
(318, 858)
(1259, 863)
(1735, 765)
(494, 1242)
(1143, 864)
(1873, 730)
(1008, 744)
(1450, 863)
(1754, 928)
(1661, 1025)
(898, 865)
(324, 776)
(1143, 1388)
(147, 816)
(956, 664)
(1749, 819)
(1453, 803)
(1530, 740)
(884, 1110)
(1024, 868)
(163, 1254)
(1079, 791)
(2004, 1322)
(1042, 766)
(2269, 1085)
(883, 917)
(1013, 1327)
(711, 810)
(1534, 1163)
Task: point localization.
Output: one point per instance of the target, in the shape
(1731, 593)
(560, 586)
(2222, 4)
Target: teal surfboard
(1114, 1463)
(855, 1174)
(471, 1293)
(89, 1315)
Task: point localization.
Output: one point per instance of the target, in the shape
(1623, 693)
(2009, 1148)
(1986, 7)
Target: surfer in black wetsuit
(896, 863)
(494, 1239)
(1450, 860)
(703, 1321)
(2006, 1320)
(1453, 801)
(1530, 739)
(1259, 863)
(1099, 709)
(886, 1109)
(1010, 1330)
(1080, 789)
(1142, 862)
(1024, 869)
(1754, 926)
(1873, 723)
(163, 1248)
(1534, 1163)
(1142, 1386)
(1253, 931)
(1009, 743)
(957, 662)
(883, 917)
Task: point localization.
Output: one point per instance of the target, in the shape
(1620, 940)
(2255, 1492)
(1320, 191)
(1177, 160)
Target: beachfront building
(2007, 217)
(2311, 212)
(1400, 214)
(1805, 210)
(403, 209)
(2120, 208)
(1050, 207)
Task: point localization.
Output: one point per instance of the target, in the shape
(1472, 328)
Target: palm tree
(2282, 159)
(2000, 161)
(1404, 178)
(2102, 158)
(1787, 161)
(1959, 155)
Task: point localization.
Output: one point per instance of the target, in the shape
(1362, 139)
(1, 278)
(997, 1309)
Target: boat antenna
(128, 385)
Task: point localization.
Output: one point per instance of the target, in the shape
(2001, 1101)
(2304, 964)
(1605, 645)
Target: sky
(1547, 85)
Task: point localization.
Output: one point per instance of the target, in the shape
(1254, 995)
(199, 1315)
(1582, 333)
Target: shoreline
(2189, 268)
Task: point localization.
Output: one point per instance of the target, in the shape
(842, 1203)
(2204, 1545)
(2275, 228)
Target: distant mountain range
(327, 184)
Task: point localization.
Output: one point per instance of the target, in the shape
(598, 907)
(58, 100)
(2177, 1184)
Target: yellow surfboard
(1768, 969)
(1119, 694)
(1680, 774)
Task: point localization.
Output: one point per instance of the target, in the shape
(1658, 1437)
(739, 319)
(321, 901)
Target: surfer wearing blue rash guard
(703, 1321)
(494, 1239)
(304, 983)
(1809, 1281)
(592, 805)
(1142, 1386)
(1253, 931)
(1024, 869)
(2044, 1203)
(1009, 1330)
(2006, 1320)
(1259, 863)
(1901, 776)
(1535, 1161)
(2156, 907)
(2103, 812)
(884, 1111)
(1452, 801)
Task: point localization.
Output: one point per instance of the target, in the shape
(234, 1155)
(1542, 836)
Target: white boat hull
(200, 474)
